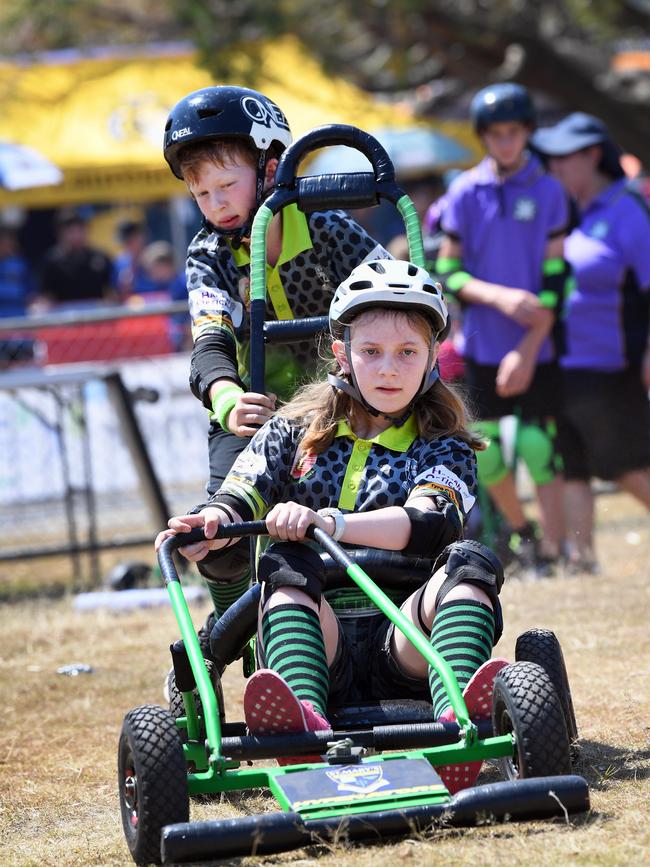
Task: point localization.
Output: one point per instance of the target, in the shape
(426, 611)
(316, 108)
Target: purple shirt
(607, 314)
(504, 227)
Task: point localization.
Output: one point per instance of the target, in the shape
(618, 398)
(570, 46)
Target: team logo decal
(264, 113)
(525, 209)
(249, 464)
(214, 303)
(359, 779)
(441, 478)
(599, 230)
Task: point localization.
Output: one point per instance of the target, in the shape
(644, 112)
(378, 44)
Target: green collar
(397, 439)
(295, 238)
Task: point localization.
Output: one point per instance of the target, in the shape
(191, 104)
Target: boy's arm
(518, 304)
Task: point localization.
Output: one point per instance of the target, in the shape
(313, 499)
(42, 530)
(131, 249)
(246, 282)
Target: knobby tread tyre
(152, 780)
(542, 646)
(525, 704)
(176, 706)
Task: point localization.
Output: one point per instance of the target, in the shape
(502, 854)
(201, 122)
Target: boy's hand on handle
(250, 412)
(209, 519)
(289, 522)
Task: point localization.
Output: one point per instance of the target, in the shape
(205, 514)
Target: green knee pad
(491, 465)
(536, 447)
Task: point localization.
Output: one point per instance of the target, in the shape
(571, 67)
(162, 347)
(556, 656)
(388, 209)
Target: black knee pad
(471, 562)
(226, 565)
(291, 564)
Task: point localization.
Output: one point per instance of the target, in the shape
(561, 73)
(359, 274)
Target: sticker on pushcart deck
(344, 784)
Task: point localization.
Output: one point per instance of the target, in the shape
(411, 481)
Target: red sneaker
(271, 707)
(478, 698)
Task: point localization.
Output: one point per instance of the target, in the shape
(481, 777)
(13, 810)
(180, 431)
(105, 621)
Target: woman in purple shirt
(606, 365)
(502, 257)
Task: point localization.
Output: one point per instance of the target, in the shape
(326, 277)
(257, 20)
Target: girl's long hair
(319, 407)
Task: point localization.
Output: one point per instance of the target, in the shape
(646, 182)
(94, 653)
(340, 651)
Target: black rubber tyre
(177, 708)
(526, 705)
(152, 780)
(542, 646)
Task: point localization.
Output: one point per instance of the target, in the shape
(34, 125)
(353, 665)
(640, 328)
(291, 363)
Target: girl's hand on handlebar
(250, 412)
(209, 519)
(289, 521)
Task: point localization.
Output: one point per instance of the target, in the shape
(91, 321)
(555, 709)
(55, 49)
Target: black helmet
(502, 102)
(224, 112)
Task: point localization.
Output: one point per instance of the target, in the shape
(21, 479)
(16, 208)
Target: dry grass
(58, 796)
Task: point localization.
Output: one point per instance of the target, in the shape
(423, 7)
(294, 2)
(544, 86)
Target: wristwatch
(339, 521)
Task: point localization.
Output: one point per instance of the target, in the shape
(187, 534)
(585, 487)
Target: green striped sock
(463, 634)
(293, 647)
(224, 594)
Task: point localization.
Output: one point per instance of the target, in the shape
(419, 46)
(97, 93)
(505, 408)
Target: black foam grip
(346, 190)
(327, 136)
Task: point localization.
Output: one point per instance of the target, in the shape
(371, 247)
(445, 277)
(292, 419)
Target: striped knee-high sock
(293, 644)
(463, 634)
(224, 594)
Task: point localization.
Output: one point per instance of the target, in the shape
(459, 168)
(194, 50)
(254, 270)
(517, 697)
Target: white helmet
(393, 284)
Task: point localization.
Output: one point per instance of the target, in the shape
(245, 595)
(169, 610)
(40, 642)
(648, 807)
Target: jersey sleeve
(559, 216)
(447, 469)
(260, 474)
(635, 238)
(216, 312)
(452, 211)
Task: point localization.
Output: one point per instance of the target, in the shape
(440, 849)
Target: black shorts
(605, 429)
(541, 401)
(364, 669)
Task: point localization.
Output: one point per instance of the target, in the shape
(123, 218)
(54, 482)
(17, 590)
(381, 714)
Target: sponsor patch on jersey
(442, 479)
(525, 209)
(248, 464)
(303, 465)
(215, 302)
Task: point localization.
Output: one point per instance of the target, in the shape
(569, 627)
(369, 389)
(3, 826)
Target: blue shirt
(607, 313)
(15, 286)
(504, 226)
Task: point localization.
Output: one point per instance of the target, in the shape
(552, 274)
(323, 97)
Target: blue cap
(574, 133)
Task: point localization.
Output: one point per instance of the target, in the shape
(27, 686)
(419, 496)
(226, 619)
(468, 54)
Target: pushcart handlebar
(236, 530)
(327, 136)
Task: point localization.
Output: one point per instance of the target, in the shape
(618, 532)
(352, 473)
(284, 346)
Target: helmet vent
(412, 270)
(361, 284)
(209, 112)
(399, 285)
(377, 266)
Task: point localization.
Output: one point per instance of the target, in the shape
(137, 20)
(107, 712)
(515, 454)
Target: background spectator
(606, 363)
(130, 276)
(16, 282)
(74, 272)
(165, 282)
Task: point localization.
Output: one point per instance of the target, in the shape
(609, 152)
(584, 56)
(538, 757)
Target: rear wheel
(525, 705)
(542, 646)
(177, 708)
(152, 779)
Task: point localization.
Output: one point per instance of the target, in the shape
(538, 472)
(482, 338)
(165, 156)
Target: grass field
(58, 793)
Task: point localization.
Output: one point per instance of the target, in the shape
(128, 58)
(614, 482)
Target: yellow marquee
(100, 119)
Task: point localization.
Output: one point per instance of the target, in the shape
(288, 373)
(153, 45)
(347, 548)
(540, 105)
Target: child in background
(502, 257)
(378, 455)
(167, 283)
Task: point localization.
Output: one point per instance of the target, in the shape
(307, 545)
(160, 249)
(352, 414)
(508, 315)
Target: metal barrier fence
(100, 437)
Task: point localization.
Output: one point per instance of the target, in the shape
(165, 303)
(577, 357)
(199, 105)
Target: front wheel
(542, 646)
(525, 705)
(152, 779)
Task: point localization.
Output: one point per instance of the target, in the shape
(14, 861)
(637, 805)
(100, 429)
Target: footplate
(361, 787)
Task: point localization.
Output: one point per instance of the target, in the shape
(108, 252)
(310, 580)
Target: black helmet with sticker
(224, 112)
